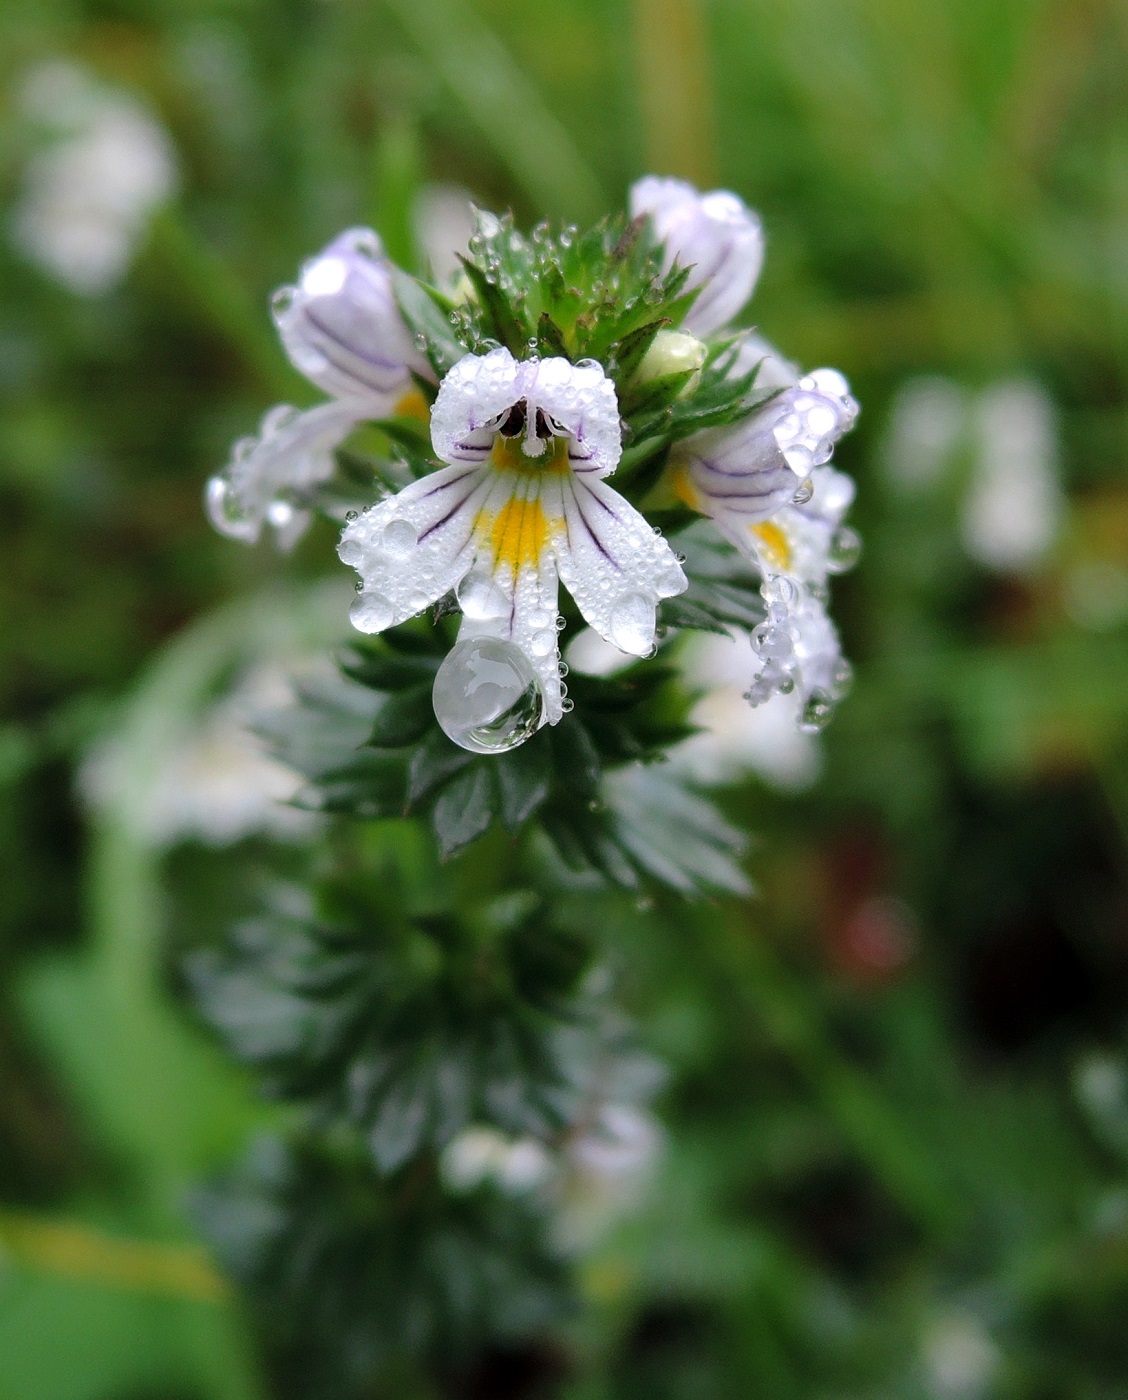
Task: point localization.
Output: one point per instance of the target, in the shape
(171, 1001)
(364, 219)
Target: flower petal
(735, 475)
(412, 548)
(292, 452)
(716, 234)
(613, 564)
(473, 395)
(580, 399)
(342, 328)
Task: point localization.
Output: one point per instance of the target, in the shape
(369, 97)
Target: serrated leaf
(433, 761)
(523, 781)
(421, 310)
(465, 808)
(404, 717)
(505, 320)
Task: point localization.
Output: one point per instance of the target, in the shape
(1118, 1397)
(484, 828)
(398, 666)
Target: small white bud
(673, 352)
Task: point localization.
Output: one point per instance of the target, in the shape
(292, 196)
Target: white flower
(765, 485)
(342, 329)
(88, 194)
(521, 506)
(1014, 508)
(715, 234)
(732, 742)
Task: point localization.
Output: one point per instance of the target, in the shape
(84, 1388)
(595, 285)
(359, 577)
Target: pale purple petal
(292, 453)
(342, 328)
(715, 234)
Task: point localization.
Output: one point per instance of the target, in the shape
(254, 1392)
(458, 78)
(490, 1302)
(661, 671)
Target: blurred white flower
(960, 1359)
(1014, 506)
(737, 739)
(88, 193)
(478, 1155)
(927, 425)
(605, 1170)
(444, 219)
(215, 782)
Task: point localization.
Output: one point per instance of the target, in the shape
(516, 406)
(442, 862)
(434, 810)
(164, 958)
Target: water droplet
(481, 599)
(227, 511)
(371, 612)
(282, 300)
(350, 551)
(816, 712)
(845, 550)
(842, 679)
(399, 538)
(358, 586)
(351, 515)
(632, 623)
(567, 705)
(542, 643)
(486, 696)
(772, 643)
(779, 589)
(803, 493)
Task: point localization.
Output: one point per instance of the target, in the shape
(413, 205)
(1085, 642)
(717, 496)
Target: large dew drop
(481, 599)
(486, 695)
(632, 623)
(371, 612)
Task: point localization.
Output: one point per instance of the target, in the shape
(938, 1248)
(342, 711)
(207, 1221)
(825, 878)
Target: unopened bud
(673, 352)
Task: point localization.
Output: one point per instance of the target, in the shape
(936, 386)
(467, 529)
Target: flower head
(342, 329)
(520, 507)
(715, 234)
(765, 484)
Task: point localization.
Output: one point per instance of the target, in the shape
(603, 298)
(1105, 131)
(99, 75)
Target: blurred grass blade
(504, 104)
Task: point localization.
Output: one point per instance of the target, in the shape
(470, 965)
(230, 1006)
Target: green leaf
(404, 717)
(465, 807)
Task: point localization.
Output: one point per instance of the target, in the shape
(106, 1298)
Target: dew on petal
(481, 599)
(543, 643)
(632, 623)
(371, 612)
(487, 698)
(399, 538)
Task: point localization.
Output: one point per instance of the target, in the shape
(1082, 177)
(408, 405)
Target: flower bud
(673, 352)
(715, 234)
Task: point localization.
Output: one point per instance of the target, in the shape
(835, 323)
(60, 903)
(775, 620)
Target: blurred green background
(897, 1104)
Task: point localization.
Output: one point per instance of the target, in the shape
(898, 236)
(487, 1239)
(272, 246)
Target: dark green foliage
(412, 1026)
(363, 1284)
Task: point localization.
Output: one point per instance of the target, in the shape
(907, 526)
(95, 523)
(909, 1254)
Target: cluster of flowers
(521, 501)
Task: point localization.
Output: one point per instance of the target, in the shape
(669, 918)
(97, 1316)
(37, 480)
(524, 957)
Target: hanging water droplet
(399, 538)
(371, 612)
(350, 551)
(351, 515)
(487, 698)
(842, 679)
(772, 643)
(481, 599)
(803, 492)
(816, 712)
(228, 512)
(845, 550)
(631, 626)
